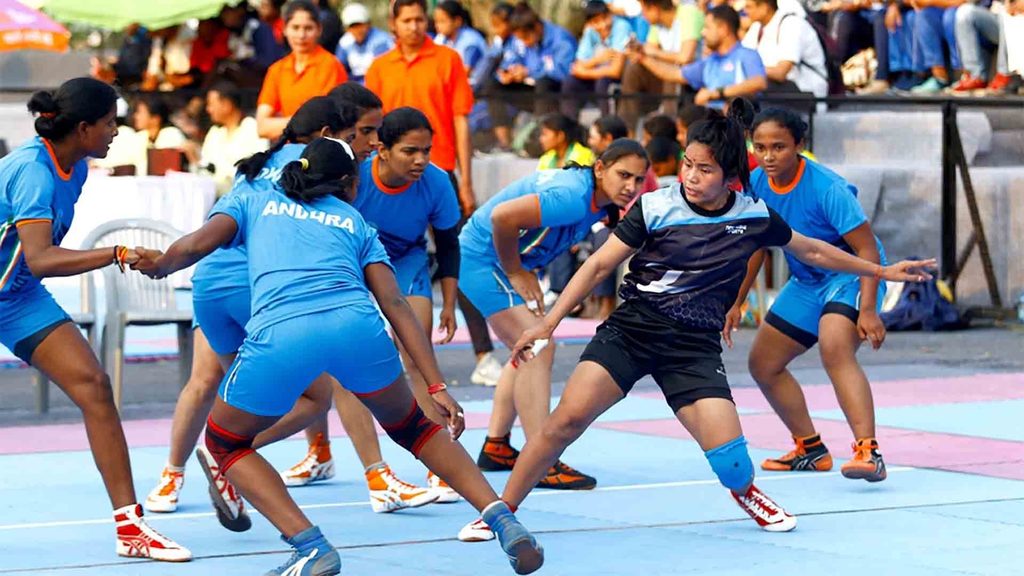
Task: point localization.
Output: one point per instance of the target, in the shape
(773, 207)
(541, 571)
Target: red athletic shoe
(136, 539)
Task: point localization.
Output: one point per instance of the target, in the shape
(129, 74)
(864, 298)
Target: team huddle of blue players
(321, 248)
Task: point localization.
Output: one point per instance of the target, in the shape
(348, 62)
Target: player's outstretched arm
(219, 230)
(824, 255)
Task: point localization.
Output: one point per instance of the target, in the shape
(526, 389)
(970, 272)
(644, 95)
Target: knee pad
(225, 447)
(731, 463)
(414, 431)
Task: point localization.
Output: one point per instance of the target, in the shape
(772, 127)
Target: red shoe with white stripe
(768, 515)
(136, 539)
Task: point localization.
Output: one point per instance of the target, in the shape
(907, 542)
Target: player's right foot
(228, 505)
(768, 515)
(317, 466)
(524, 554)
(561, 476)
(810, 454)
(497, 455)
(136, 539)
(312, 555)
(164, 498)
(867, 463)
(388, 493)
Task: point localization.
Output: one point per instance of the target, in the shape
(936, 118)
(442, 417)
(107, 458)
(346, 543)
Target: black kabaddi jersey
(691, 262)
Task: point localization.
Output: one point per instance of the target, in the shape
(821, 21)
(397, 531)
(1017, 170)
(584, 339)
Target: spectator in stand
(232, 137)
(686, 117)
(153, 129)
(532, 70)
(454, 27)
(606, 130)
(268, 34)
(935, 43)
(361, 43)
(658, 126)
(633, 12)
(560, 140)
(1014, 47)
(307, 72)
(673, 40)
(979, 34)
(789, 48)
(170, 60)
(270, 12)
(664, 156)
(850, 25)
(330, 25)
(209, 49)
(599, 58)
(129, 66)
(729, 71)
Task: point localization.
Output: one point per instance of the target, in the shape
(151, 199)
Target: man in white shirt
(232, 137)
(789, 47)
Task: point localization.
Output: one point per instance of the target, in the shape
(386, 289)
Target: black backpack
(922, 307)
(833, 59)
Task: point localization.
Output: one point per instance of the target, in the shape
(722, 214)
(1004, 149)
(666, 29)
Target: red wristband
(879, 271)
(435, 388)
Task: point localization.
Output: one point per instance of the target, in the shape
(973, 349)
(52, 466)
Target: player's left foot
(768, 515)
(867, 463)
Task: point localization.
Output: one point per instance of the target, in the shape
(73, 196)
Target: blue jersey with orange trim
(819, 204)
(567, 211)
(33, 187)
(304, 257)
(227, 269)
(401, 215)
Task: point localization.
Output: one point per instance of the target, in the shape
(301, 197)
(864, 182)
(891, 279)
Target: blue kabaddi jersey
(722, 70)
(227, 269)
(33, 187)
(567, 212)
(401, 215)
(303, 257)
(821, 204)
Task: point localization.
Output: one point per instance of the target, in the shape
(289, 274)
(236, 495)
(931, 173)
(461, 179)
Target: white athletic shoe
(487, 371)
(228, 505)
(164, 498)
(768, 515)
(476, 531)
(311, 468)
(136, 539)
(388, 493)
(445, 493)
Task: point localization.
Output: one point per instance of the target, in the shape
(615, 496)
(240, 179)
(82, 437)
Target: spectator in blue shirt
(729, 71)
(532, 69)
(455, 30)
(361, 43)
(599, 58)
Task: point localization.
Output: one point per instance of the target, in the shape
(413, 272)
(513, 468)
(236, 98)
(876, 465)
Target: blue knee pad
(731, 463)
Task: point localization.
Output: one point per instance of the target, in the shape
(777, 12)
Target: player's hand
(131, 257)
(450, 410)
(732, 324)
(467, 198)
(870, 327)
(448, 325)
(530, 343)
(908, 271)
(146, 262)
(525, 284)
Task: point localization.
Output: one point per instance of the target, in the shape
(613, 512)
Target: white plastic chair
(86, 319)
(135, 300)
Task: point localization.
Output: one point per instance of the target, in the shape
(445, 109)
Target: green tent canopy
(117, 14)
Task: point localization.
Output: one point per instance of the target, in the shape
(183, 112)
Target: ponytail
(327, 168)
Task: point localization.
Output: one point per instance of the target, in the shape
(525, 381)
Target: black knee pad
(226, 447)
(413, 432)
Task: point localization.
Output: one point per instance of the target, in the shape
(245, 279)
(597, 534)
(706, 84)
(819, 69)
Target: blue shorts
(486, 286)
(223, 319)
(800, 305)
(27, 314)
(412, 272)
(277, 363)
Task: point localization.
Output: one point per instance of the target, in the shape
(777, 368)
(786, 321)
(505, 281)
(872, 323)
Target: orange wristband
(435, 388)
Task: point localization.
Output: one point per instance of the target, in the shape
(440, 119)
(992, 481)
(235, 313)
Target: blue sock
(505, 526)
(308, 540)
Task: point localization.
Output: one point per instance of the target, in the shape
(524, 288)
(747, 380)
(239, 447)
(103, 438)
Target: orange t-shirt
(285, 90)
(435, 83)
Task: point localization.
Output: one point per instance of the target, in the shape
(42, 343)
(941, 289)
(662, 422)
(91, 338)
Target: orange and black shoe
(867, 463)
(561, 476)
(497, 455)
(809, 455)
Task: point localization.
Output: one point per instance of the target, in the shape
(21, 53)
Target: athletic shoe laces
(761, 504)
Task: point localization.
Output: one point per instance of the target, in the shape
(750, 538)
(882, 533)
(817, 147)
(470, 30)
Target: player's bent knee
(731, 463)
(226, 447)
(414, 431)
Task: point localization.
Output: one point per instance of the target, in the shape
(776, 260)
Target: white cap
(355, 14)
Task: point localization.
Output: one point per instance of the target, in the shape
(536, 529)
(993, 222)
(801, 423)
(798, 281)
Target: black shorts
(686, 365)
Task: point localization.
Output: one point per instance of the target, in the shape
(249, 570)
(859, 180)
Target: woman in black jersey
(690, 244)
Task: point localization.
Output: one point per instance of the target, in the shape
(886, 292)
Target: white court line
(624, 488)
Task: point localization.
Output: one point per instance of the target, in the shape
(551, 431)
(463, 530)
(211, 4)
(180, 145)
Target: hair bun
(742, 111)
(43, 103)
